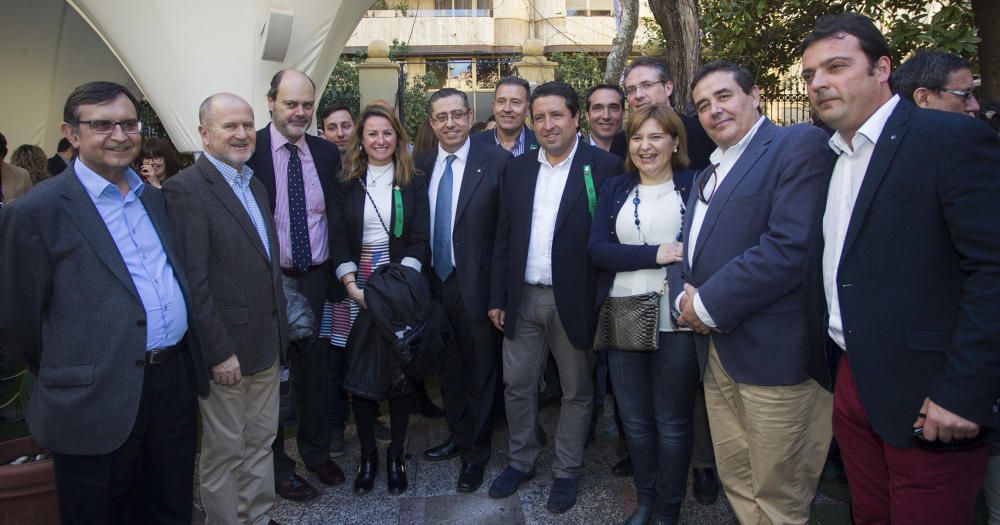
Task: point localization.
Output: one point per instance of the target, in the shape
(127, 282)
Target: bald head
(227, 131)
(291, 102)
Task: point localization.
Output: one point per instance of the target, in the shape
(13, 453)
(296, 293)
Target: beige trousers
(236, 468)
(770, 444)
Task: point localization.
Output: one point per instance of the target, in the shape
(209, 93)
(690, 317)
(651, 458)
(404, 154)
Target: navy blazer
(574, 278)
(488, 137)
(699, 144)
(750, 256)
(475, 223)
(919, 275)
(347, 224)
(610, 256)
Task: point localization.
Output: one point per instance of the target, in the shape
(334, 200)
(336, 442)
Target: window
(451, 72)
(590, 8)
(462, 8)
(489, 71)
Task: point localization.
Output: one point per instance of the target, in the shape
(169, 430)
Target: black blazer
(347, 222)
(619, 146)
(574, 278)
(56, 165)
(475, 222)
(488, 138)
(919, 275)
(699, 144)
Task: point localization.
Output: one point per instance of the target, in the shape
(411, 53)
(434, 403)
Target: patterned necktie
(298, 222)
(442, 223)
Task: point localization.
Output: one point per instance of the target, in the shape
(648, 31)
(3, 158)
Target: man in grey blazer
(227, 243)
(94, 300)
(746, 230)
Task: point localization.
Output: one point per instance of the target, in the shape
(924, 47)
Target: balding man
(228, 245)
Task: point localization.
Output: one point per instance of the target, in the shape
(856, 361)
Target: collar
(870, 130)
(231, 174)
(278, 140)
(97, 185)
(542, 159)
(462, 153)
(719, 153)
(518, 142)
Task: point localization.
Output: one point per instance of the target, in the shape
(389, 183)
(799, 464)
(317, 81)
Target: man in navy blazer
(299, 171)
(510, 107)
(745, 235)
(464, 191)
(543, 288)
(906, 284)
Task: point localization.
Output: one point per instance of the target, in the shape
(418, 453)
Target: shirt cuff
(699, 308)
(677, 303)
(346, 268)
(412, 263)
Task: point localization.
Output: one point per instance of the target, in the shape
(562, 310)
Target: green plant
(581, 71)
(15, 387)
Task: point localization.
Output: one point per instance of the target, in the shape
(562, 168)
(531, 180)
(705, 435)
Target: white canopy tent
(177, 52)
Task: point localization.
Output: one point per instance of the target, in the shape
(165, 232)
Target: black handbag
(630, 323)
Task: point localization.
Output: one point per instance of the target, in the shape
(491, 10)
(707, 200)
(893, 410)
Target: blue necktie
(442, 224)
(298, 221)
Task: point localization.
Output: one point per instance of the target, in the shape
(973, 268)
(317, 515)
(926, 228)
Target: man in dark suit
(227, 243)
(543, 289)
(299, 171)
(937, 80)
(464, 191)
(510, 108)
(906, 281)
(745, 236)
(61, 159)
(94, 300)
(604, 107)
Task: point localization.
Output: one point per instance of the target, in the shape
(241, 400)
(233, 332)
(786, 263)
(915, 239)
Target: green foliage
(343, 88)
(581, 71)
(415, 102)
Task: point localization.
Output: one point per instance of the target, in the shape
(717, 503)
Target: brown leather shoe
(296, 489)
(328, 472)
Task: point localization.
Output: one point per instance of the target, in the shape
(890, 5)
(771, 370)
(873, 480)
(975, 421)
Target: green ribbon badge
(397, 200)
(588, 179)
(533, 147)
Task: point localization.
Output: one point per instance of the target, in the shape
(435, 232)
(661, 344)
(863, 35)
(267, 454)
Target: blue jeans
(655, 392)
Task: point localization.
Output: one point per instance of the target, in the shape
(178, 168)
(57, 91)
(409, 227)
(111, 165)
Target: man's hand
(497, 317)
(940, 424)
(688, 316)
(227, 372)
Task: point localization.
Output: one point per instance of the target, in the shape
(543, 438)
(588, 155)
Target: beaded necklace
(636, 201)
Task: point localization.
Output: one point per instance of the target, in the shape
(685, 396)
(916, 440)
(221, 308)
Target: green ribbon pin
(588, 179)
(397, 200)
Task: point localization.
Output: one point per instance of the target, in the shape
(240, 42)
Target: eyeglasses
(966, 95)
(130, 126)
(457, 116)
(704, 182)
(645, 86)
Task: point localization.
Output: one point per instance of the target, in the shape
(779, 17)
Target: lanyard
(397, 200)
(588, 179)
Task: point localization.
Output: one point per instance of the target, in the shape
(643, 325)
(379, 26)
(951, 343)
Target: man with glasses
(94, 300)
(464, 190)
(937, 80)
(510, 107)
(746, 231)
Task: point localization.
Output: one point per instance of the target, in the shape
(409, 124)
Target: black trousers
(470, 373)
(309, 371)
(149, 478)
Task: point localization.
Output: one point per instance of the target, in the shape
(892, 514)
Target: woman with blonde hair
(33, 159)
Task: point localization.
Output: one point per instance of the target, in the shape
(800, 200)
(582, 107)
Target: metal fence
(789, 105)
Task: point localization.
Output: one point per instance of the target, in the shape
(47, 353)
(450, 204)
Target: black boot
(395, 473)
(367, 470)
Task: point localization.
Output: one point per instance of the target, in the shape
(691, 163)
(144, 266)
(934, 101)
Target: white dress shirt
(457, 173)
(726, 159)
(548, 194)
(848, 174)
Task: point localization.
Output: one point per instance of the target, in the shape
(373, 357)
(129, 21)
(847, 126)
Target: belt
(292, 272)
(158, 356)
(538, 285)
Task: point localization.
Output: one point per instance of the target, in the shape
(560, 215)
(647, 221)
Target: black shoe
(367, 470)
(446, 450)
(295, 489)
(703, 486)
(382, 432)
(506, 483)
(623, 468)
(395, 474)
(642, 516)
(469, 478)
(562, 497)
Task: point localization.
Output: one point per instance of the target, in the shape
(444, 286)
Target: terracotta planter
(27, 491)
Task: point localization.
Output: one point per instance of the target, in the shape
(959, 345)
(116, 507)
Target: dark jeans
(339, 409)
(655, 394)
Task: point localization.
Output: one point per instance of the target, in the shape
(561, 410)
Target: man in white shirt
(745, 238)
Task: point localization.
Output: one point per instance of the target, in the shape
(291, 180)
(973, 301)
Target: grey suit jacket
(236, 293)
(750, 255)
(69, 309)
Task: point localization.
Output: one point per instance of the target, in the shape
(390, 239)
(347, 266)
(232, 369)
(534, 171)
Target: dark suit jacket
(475, 222)
(919, 276)
(750, 256)
(56, 165)
(610, 256)
(236, 292)
(70, 310)
(348, 222)
(488, 138)
(699, 144)
(574, 278)
(619, 145)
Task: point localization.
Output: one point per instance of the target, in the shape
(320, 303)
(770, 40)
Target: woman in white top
(637, 232)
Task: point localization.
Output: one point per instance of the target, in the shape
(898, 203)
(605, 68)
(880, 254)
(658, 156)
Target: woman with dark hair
(382, 215)
(655, 389)
(159, 161)
(33, 159)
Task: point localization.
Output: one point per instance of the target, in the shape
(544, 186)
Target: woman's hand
(670, 252)
(356, 294)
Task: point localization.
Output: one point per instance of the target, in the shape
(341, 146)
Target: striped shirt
(239, 181)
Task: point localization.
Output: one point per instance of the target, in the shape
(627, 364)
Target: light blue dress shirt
(239, 181)
(140, 247)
